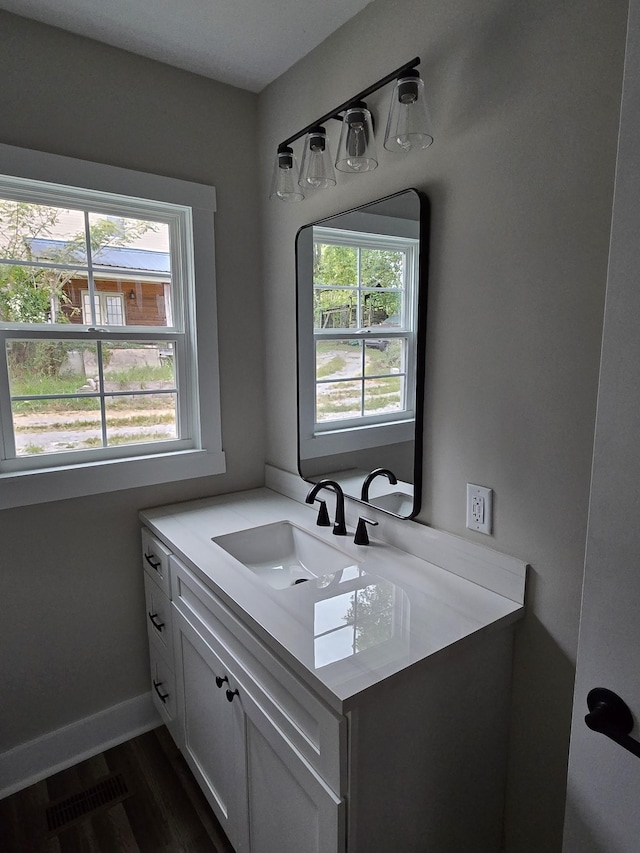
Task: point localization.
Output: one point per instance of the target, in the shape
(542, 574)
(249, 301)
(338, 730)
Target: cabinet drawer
(313, 729)
(163, 686)
(158, 608)
(155, 559)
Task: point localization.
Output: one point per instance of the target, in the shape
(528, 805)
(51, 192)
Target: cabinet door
(290, 808)
(213, 730)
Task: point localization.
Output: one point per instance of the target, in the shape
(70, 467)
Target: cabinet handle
(158, 685)
(231, 694)
(157, 625)
(221, 681)
(153, 565)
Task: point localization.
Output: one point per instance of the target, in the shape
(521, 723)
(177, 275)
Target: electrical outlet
(479, 508)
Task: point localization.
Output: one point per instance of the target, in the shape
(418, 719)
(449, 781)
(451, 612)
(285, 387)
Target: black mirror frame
(421, 340)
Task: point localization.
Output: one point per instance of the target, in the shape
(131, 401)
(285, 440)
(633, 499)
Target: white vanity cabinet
(312, 732)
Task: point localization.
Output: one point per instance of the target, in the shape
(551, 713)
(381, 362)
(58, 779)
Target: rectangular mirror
(361, 313)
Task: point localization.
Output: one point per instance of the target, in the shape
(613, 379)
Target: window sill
(356, 438)
(93, 478)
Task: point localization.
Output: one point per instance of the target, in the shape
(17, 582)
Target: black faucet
(364, 495)
(339, 526)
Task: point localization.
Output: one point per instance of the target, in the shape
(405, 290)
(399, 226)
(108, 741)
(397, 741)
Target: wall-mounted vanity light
(284, 184)
(408, 127)
(357, 148)
(316, 172)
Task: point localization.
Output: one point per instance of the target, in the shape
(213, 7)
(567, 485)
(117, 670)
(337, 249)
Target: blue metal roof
(122, 257)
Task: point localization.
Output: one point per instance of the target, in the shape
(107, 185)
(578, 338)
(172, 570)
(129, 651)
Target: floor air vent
(104, 794)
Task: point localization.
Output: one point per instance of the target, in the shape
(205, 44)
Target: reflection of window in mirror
(364, 328)
(362, 613)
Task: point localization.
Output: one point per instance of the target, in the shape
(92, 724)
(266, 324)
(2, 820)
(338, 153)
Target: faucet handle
(323, 519)
(362, 537)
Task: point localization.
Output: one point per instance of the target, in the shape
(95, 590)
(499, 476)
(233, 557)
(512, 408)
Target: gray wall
(525, 100)
(72, 641)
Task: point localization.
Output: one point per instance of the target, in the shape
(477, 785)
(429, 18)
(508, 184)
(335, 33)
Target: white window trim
(206, 457)
(331, 437)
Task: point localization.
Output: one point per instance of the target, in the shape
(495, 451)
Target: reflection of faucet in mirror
(364, 495)
(339, 526)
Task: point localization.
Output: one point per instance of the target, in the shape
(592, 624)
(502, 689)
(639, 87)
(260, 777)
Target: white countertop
(342, 633)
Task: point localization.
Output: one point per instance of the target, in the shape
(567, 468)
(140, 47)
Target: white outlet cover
(479, 508)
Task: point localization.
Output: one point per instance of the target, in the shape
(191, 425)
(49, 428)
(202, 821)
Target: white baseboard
(30, 762)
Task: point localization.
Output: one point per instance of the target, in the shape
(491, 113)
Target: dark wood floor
(162, 809)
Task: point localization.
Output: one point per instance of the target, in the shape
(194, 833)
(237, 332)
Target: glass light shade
(357, 148)
(316, 172)
(409, 124)
(284, 183)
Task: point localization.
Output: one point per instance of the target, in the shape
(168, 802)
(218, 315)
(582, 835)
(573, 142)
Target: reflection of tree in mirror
(371, 614)
(355, 267)
(335, 264)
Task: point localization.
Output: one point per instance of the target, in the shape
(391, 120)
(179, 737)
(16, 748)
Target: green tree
(334, 265)
(371, 613)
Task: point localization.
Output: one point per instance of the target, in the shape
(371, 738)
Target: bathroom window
(98, 356)
(364, 328)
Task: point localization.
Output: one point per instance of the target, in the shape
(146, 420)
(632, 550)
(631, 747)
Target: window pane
(38, 369)
(49, 367)
(381, 308)
(131, 244)
(384, 356)
(338, 400)
(38, 232)
(113, 313)
(335, 264)
(138, 366)
(383, 395)
(381, 268)
(140, 418)
(31, 295)
(338, 359)
(335, 309)
(63, 425)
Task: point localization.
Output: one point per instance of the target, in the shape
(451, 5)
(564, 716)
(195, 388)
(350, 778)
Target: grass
(142, 373)
(128, 438)
(382, 386)
(33, 449)
(336, 364)
(39, 385)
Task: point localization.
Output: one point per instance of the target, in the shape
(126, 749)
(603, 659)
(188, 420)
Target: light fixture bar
(335, 113)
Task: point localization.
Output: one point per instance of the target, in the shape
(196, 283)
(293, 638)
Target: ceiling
(247, 43)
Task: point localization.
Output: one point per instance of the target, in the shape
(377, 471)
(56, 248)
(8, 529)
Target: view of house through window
(88, 344)
(363, 304)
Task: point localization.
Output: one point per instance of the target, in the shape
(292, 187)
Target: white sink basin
(397, 502)
(283, 554)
